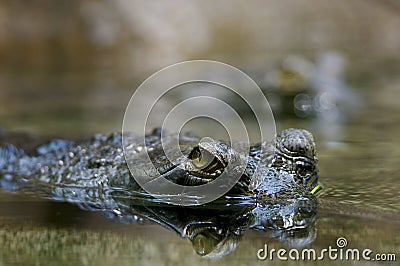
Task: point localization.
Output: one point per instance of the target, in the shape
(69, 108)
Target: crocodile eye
(204, 161)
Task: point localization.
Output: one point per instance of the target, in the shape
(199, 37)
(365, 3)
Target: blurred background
(68, 69)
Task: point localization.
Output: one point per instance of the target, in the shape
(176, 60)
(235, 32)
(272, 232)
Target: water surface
(359, 169)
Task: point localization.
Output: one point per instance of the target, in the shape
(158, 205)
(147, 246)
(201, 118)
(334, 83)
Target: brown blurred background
(70, 67)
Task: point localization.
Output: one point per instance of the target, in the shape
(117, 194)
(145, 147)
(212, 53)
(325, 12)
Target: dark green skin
(94, 175)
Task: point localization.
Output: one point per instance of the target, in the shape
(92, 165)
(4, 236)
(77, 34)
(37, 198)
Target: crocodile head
(287, 163)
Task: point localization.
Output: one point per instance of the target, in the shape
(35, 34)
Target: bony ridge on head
(296, 154)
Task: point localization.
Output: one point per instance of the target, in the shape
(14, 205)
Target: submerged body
(275, 187)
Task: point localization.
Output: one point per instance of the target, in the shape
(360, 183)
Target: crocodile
(276, 189)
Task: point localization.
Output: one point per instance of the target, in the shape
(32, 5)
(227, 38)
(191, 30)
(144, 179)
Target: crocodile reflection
(215, 229)
(275, 192)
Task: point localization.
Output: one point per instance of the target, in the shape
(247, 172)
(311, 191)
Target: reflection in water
(215, 229)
